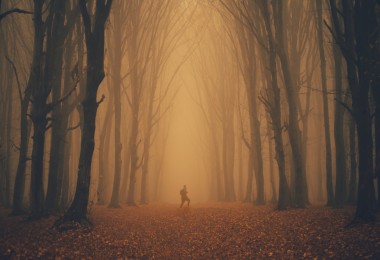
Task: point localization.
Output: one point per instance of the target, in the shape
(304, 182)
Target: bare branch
(15, 10)
(14, 145)
(86, 17)
(345, 106)
(101, 100)
(73, 127)
(17, 78)
(55, 103)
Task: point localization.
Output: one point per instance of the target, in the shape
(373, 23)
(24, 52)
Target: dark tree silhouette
(354, 35)
(94, 32)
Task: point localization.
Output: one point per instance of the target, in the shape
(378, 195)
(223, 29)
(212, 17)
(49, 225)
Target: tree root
(66, 223)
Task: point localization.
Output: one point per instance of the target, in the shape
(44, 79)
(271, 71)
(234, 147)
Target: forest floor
(164, 231)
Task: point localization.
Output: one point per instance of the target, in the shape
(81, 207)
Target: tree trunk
(126, 166)
(36, 182)
(134, 157)
(376, 94)
(38, 116)
(294, 132)
(340, 150)
(240, 168)
(95, 74)
(352, 193)
(329, 185)
(104, 140)
(274, 109)
(248, 190)
(19, 187)
(217, 166)
(9, 145)
(256, 145)
(65, 168)
(116, 67)
(274, 198)
(359, 26)
(136, 89)
(228, 160)
(147, 144)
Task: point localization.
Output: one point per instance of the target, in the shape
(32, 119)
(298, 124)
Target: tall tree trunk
(116, 67)
(228, 160)
(217, 166)
(8, 138)
(68, 106)
(329, 185)
(274, 109)
(95, 74)
(65, 168)
(359, 26)
(340, 150)
(38, 116)
(58, 36)
(256, 145)
(133, 143)
(136, 85)
(36, 182)
(352, 193)
(376, 94)
(274, 198)
(126, 166)
(294, 132)
(19, 187)
(305, 133)
(147, 144)
(248, 190)
(240, 168)
(104, 139)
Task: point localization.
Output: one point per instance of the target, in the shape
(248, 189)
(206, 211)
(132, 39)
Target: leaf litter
(218, 230)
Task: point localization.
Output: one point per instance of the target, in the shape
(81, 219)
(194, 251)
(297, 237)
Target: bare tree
(94, 33)
(354, 26)
(330, 191)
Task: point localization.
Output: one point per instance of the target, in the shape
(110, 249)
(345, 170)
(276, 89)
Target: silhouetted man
(184, 197)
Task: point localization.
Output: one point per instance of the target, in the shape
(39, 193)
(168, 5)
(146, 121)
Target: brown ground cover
(203, 231)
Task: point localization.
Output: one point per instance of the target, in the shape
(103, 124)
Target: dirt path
(232, 230)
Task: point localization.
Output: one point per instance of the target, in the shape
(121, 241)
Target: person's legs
(183, 201)
(188, 202)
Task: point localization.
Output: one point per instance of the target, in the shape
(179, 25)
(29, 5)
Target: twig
(101, 100)
(345, 106)
(17, 78)
(55, 103)
(73, 127)
(15, 146)
(14, 10)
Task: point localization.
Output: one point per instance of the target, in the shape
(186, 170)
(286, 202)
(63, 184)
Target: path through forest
(232, 230)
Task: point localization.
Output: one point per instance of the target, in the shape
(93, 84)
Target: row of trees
(283, 54)
(73, 42)
(286, 58)
(268, 75)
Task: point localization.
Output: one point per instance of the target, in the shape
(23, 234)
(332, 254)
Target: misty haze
(200, 129)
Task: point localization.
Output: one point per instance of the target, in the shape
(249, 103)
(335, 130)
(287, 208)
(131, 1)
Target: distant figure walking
(184, 197)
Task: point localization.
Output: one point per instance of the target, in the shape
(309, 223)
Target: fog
(238, 100)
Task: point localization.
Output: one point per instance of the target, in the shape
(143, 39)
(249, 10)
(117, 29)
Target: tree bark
(19, 187)
(293, 127)
(95, 74)
(359, 25)
(340, 150)
(116, 67)
(329, 185)
(274, 109)
(38, 116)
(352, 188)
